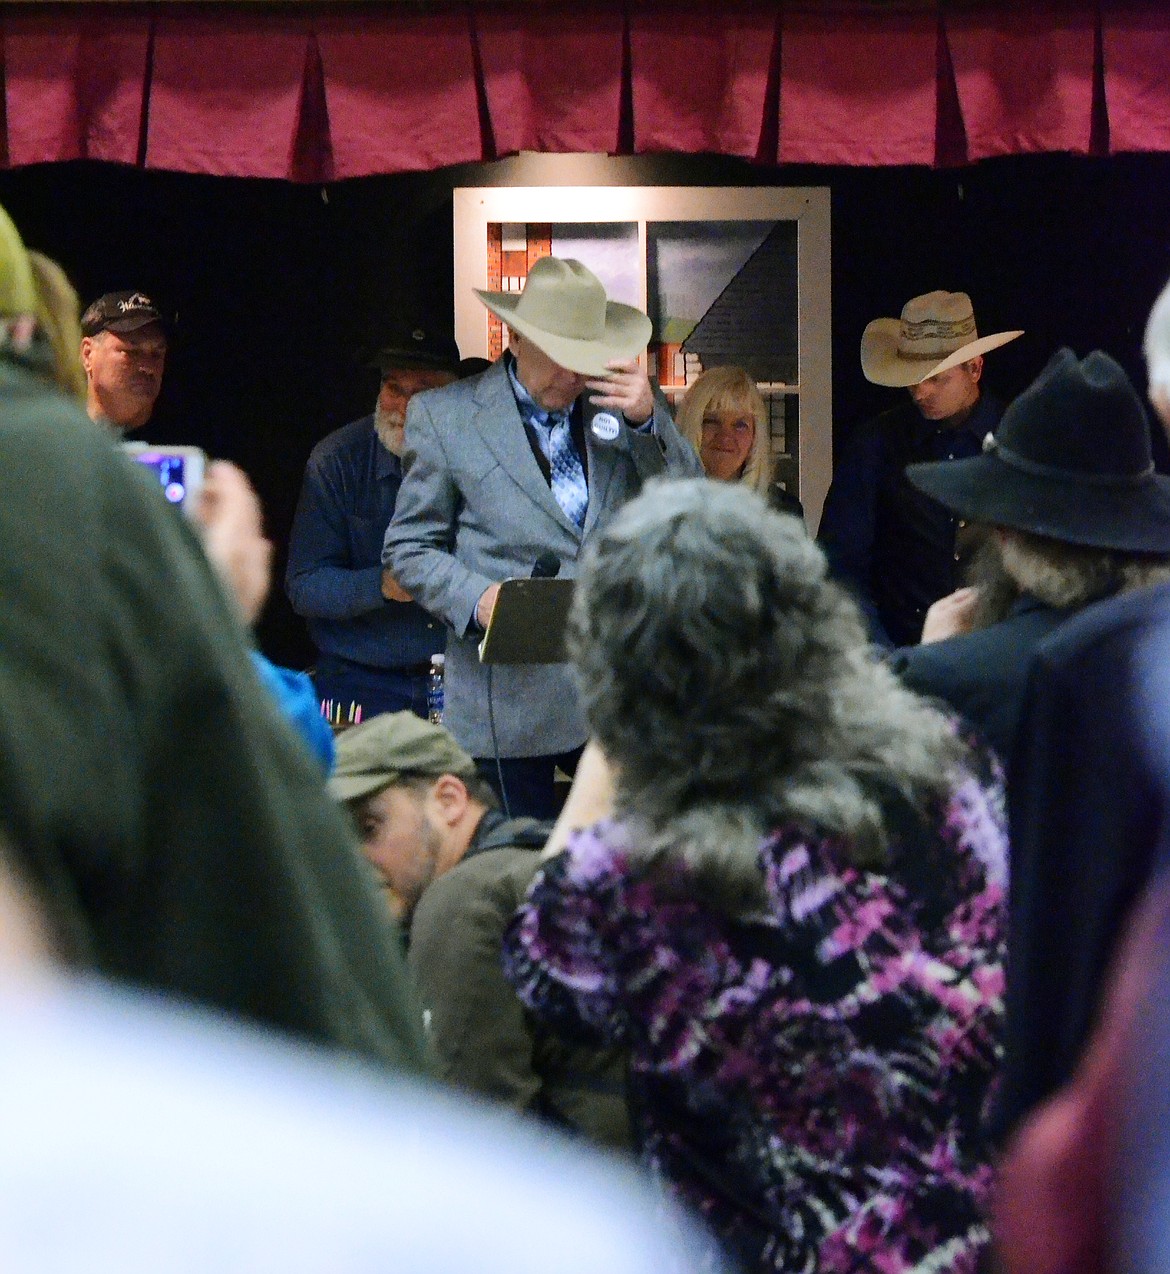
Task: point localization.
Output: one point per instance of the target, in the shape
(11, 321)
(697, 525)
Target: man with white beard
(374, 642)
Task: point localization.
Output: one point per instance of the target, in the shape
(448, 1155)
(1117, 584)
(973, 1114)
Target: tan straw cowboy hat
(563, 311)
(935, 333)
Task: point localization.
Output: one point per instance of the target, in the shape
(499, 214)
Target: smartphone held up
(179, 470)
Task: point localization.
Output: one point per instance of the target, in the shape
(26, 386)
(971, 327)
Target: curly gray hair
(1054, 572)
(730, 683)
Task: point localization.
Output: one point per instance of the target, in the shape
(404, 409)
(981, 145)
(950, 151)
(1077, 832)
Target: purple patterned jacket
(813, 1084)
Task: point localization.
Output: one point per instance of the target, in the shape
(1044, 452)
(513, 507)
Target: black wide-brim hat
(410, 347)
(1070, 461)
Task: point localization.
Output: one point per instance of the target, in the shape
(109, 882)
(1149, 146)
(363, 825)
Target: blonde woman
(724, 417)
(58, 312)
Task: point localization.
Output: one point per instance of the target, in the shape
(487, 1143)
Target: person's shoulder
(31, 404)
(49, 444)
(494, 880)
(900, 421)
(873, 434)
(492, 865)
(464, 395)
(897, 415)
(965, 651)
(598, 862)
(1114, 624)
(952, 652)
(990, 408)
(781, 500)
(975, 818)
(602, 859)
(930, 661)
(348, 438)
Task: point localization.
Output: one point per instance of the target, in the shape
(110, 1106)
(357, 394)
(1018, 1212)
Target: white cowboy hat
(563, 311)
(935, 333)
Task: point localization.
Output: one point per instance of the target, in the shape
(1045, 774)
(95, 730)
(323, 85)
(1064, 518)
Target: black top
(1087, 799)
(891, 544)
(982, 675)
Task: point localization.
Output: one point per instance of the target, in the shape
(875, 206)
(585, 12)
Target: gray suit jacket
(475, 509)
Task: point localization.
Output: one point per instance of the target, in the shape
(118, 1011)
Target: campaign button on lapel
(605, 426)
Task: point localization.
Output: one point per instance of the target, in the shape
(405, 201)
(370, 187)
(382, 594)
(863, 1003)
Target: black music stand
(528, 623)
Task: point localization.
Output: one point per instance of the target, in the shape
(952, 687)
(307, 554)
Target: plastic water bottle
(435, 691)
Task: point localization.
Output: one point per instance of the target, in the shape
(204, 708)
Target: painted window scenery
(718, 293)
(728, 275)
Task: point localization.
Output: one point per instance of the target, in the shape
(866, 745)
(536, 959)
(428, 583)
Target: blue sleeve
(321, 580)
(848, 523)
(294, 692)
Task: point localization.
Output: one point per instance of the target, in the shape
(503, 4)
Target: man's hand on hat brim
(625, 388)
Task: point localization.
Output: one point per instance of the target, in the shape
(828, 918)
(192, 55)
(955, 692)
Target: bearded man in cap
(1075, 513)
(123, 354)
(896, 548)
(455, 871)
(521, 464)
(374, 643)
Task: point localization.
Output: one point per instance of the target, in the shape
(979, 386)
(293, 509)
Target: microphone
(547, 566)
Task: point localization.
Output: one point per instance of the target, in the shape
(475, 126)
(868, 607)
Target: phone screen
(171, 471)
(179, 470)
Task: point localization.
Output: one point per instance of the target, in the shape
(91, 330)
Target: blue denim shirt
(334, 576)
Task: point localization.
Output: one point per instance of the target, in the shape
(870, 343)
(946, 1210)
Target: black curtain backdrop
(279, 288)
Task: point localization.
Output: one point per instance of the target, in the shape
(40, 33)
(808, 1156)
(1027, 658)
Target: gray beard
(998, 590)
(388, 426)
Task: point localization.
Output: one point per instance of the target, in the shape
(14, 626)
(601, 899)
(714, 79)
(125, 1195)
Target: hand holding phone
(231, 521)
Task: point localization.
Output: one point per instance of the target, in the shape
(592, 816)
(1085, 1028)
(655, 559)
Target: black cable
(496, 746)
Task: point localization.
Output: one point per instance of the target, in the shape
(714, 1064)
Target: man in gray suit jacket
(525, 461)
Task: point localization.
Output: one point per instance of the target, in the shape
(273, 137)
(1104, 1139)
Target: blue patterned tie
(569, 488)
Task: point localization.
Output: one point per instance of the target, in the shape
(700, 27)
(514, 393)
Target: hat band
(930, 355)
(1024, 465)
(935, 338)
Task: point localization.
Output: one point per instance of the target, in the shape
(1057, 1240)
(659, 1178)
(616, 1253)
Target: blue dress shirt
(334, 576)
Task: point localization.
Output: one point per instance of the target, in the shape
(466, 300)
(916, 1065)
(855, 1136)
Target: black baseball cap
(120, 312)
(413, 347)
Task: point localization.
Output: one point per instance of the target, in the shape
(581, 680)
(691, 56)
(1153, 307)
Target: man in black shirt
(123, 354)
(896, 548)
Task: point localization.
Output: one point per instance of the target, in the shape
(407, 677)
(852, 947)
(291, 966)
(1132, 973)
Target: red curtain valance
(318, 93)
